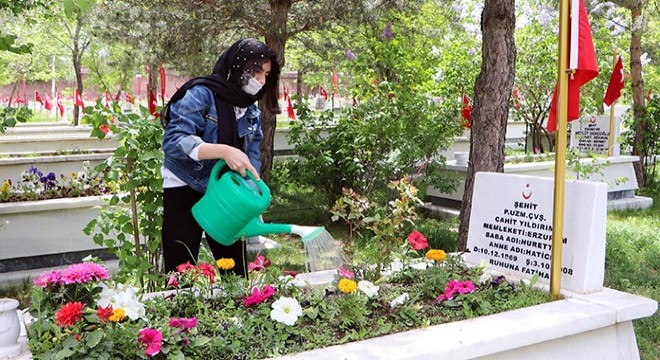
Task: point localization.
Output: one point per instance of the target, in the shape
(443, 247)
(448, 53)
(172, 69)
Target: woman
(210, 118)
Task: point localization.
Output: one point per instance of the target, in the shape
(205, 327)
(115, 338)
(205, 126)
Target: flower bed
(210, 314)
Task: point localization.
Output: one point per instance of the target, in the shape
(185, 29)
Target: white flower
(289, 281)
(368, 288)
(485, 277)
(286, 310)
(236, 321)
(122, 297)
(400, 300)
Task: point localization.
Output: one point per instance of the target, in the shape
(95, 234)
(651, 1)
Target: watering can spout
(257, 227)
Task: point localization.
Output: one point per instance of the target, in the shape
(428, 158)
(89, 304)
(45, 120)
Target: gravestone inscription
(511, 228)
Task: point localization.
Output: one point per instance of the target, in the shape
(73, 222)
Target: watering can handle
(265, 191)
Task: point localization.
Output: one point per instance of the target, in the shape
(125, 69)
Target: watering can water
(232, 205)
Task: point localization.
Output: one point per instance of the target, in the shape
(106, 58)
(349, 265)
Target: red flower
(417, 240)
(208, 270)
(290, 273)
(104, 313)
(260, 263)
(69, 314)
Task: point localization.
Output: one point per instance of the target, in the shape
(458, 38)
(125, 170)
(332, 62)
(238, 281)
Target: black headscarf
(230, 73)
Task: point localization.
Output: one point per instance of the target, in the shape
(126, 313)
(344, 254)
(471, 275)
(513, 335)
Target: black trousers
(182, 235)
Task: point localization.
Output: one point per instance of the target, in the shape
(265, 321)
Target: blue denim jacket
(194, 120)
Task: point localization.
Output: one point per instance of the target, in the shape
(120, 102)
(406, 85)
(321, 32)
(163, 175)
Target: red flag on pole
(466, 112)
(616, 84)
(163, 83)
(153, 102)
(48, 105)
(60, 106)
(517, 97)
(79, 100)
(582, 59)
(335, 81)
(37, 98)
(323, 93)
(289, 104)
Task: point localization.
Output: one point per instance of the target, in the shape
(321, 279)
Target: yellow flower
(5, 186)
(118, 315)
(437, 255)
(225, 264)
(347, 286)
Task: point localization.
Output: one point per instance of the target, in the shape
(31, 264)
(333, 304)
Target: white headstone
(511, 228)
(592, 135)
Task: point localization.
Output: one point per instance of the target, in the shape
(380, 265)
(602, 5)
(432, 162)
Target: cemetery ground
(632, 253)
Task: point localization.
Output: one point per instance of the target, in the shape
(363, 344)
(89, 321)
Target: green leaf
(64, 353)
(69, 6)
(94, 338)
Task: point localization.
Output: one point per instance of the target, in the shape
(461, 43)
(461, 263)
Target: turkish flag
(289, 108)
(107, 99)
(79, 100)
(48, 104)
(153, 103)
(60, 106)
(323, 93)
(582, 58)
(37, 98)
(616, 84)
(466, 112)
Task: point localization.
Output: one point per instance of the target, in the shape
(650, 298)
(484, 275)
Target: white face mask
(253, 86)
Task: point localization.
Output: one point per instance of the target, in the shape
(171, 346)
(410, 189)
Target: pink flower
(260, 263)
(173, 281)
(185, 324)
(152, 338)
(344, 272)
(259, 296)
(456, 287)
(417, 240)
(465, 287)
(185, 267)
(85, 272)
(49, 278)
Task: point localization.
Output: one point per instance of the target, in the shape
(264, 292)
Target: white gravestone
(511, 228)
(592, 135)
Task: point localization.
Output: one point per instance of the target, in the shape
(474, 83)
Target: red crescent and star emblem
(592, 119)
(526, 196)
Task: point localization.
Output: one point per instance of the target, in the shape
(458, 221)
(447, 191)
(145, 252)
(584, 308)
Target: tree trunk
(491, 106)
(639, 101)
(277, 41)
(76, 55)
(153, 81)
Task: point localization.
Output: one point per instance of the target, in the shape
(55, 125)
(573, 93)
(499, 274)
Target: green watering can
(231, 208)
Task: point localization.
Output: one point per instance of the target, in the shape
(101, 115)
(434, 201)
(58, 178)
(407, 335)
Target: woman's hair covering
(245, 57)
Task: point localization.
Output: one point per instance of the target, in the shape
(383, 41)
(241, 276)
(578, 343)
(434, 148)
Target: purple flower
(350, 55)
(34, 171)
(387, 32)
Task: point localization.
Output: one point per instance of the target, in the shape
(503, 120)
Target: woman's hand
(236, 159)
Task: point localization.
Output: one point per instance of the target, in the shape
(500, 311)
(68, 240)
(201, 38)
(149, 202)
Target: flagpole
(610, 147)
(560, 152)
